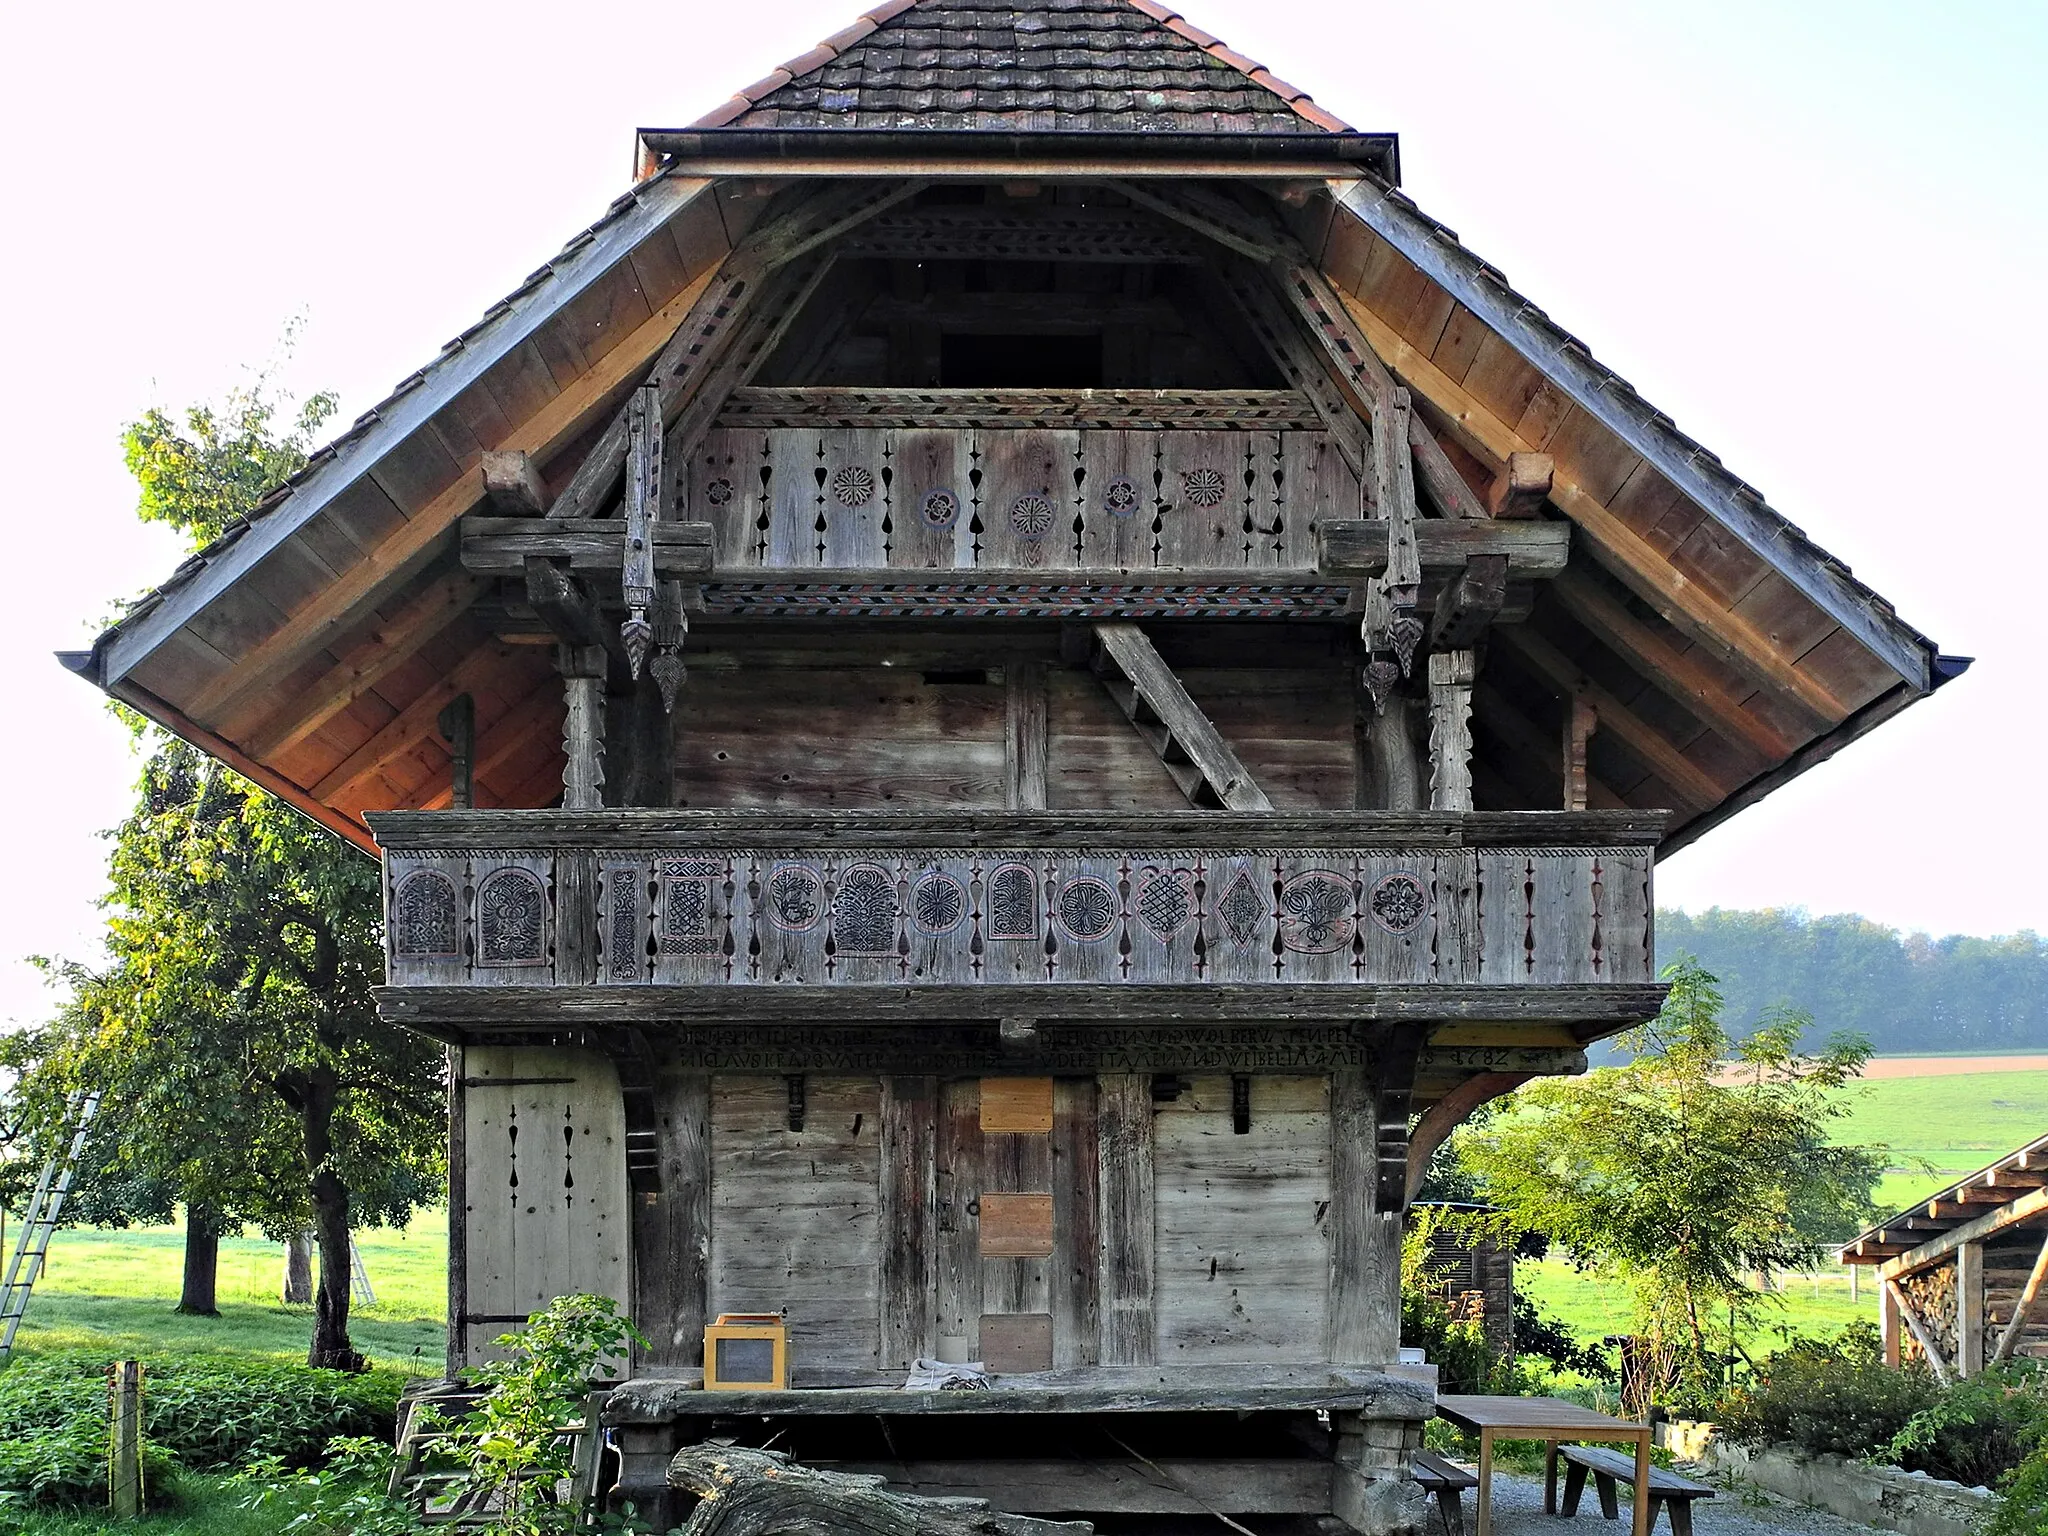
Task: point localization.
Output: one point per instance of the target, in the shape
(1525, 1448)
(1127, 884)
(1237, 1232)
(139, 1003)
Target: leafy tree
(1703, 1159)
(246, 1070)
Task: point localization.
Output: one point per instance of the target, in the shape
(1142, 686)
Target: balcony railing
(690, 902)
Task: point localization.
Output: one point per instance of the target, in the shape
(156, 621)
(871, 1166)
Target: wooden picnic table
(1552, 1421)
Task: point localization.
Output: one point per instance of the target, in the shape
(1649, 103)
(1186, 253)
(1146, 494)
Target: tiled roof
(1025, 66)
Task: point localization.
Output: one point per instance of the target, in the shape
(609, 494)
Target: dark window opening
(1020, 362)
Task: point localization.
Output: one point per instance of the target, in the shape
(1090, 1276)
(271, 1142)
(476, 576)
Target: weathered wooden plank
(796, 1216)
(672, 1229)
(1114, 1486)
(1025, 739)
(1243, 1252)
(909, 1220)
(957, 1183)
(1103, 410)
(1365, 1247)
(1126, 1249)
(1075, 1268)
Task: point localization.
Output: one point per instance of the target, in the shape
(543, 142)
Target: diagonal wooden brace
(1200, 761)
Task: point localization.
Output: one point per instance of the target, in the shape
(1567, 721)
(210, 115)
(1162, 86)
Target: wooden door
(1014, 1223)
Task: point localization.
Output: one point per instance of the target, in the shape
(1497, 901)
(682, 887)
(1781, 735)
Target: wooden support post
(1200, 761)
(642, 511)
(909, 1219)
(583, 670)
(1521, 487)
(1365, 1239)
(125, 1470)
(1581, 719)
(672, 1227)
(457, 724)
(1393, 772)
(458, 1216)
(512, 484)
(1451, 676)
(1025, 735)
(1888, 1325)
(1125, 1228)
(1969, 1309)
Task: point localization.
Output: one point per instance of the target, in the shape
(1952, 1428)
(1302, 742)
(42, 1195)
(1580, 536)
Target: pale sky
(1812, 233)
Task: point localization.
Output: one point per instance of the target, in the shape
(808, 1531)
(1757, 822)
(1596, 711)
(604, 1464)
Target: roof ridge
(871, 21)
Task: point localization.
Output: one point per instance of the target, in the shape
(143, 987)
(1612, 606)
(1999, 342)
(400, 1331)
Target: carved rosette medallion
(511, 919)
(719, 492)
(423, 920)
(1086, 909)
(795, 897)
(853, 486)
(1399, 902)
(686, 906)
(864, 911)
(938, 902)
(1315, 912)
(1120, 498)
(1242, 907)
(1165, 902)
(940, 509)
(1203, 487)
(1012, 903)
(1031, 516)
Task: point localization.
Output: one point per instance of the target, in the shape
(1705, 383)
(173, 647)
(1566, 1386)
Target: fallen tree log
(742, 1492)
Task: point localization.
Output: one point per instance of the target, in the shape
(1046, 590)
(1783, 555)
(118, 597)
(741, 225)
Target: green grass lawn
(115, 1291)
(1955, 1125)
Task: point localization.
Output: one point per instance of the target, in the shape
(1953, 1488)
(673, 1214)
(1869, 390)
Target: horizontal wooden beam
(501, 546)
(1357, 547)
(1207, 410)
(656, 830)
(1651, 746)
(1522, 486)
(1689, 608)
(484, 1009)
(2028, 1206)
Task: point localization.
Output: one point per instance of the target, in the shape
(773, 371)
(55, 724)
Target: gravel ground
(1518, 1511)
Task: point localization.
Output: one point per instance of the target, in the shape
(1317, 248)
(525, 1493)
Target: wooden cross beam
(1923, 1335)
(1196, 756)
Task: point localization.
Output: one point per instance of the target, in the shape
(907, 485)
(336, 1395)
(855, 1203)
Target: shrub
(204, 1414)
(1979, 1429)
(1829, 1395)
(2025, 1510)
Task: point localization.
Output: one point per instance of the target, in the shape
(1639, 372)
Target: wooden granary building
(987, 709)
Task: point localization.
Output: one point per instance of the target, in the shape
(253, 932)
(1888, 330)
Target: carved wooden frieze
(1017, 498)
(910, 916)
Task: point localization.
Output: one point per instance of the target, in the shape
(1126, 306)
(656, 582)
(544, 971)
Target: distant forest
(1904, 993)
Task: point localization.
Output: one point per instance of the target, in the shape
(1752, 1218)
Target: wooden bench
(1667, 1489)
(1446, 1482)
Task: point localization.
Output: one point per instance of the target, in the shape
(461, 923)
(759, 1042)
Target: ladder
(359, 1277)
(40, 1219)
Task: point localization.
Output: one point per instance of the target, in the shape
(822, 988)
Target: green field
(114, 1291)
(1954, 1125)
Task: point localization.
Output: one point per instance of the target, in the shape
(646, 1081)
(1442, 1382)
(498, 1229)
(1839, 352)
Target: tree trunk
(298, 1270)
(197, 1296)
(331, 1348)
